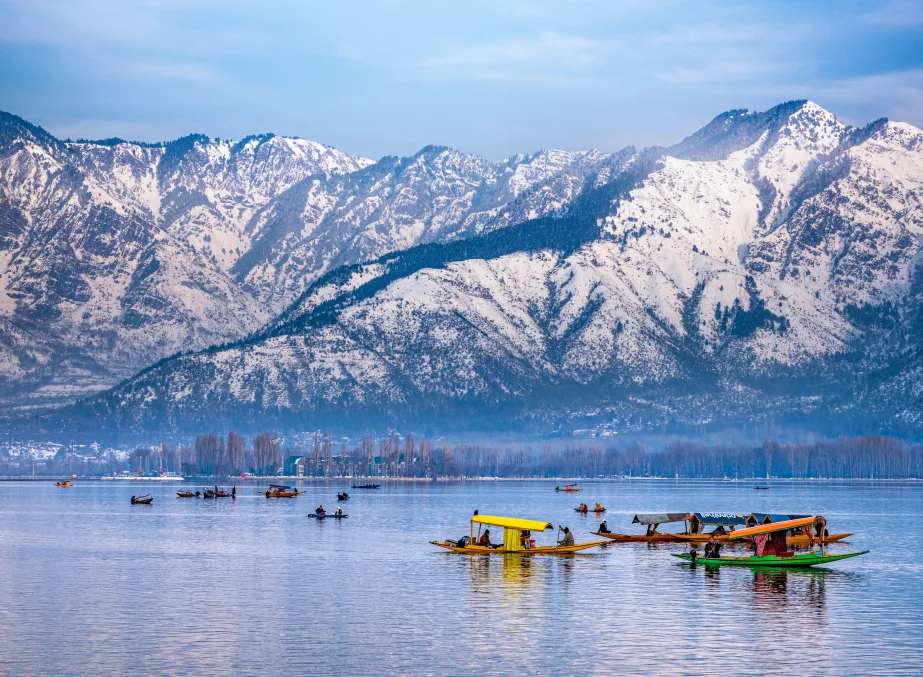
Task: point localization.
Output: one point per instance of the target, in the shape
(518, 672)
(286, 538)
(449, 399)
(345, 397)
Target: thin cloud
(547, 58)
(171, 70)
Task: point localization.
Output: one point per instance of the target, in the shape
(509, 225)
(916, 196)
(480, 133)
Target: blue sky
(493, 78)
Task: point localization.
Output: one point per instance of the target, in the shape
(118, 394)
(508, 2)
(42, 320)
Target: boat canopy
(660, 517)
(279, 487)
(773, 527)
(755, 518)
(722, 518)
(512, 523)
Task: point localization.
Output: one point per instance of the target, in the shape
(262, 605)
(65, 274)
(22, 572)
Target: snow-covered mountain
(767, 266)
(115, 254)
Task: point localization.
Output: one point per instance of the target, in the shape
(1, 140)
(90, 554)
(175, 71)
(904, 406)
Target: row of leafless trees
(872, 457)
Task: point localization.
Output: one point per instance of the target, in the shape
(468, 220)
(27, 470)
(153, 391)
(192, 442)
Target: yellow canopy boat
(63, 483)
(517, 539)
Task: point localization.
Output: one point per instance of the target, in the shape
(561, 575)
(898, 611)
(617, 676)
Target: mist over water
(93, 585)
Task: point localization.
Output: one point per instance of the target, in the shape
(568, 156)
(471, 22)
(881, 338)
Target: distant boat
(343, 497)
(763, 488)
(327, 516)
(569, 488)
(366, 486)
(147, 499)
(64, 483)
(187, 494)
(281, 491)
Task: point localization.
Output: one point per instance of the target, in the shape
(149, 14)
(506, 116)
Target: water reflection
(803, 590)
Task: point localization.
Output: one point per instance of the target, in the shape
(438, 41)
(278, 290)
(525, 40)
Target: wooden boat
(208, 493)
(761, 488)
(795, 538)
(806, 559)
(187, 494)
(770, 546)
(343, 497)
(221, 493)
(517, 539)
(333, 516)
(366, 486)
(568, 488)
(281, 491)
(652, 520)
(64, 483)
(147, 499)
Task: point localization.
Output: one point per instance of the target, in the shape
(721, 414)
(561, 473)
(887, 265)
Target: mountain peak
(732, 131)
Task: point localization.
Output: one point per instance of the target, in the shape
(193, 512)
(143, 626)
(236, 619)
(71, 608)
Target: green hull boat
(808, 559)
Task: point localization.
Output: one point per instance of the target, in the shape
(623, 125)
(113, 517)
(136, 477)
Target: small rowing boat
(517, 539)
(333, 516)
(281, 491)
(771, 548)
(585, 509)
(366, 486)
(147, 499)
(568, 488)
(64, 483)
(343, 497)
(187, 494)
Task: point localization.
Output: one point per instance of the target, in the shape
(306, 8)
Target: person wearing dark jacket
(712, 548)
(603, 528)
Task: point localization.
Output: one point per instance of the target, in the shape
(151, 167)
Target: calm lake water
(93, 585)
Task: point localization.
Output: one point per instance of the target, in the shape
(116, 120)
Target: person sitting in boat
(598, 507)
(484, 540)
(320, 510)
(568, 538)
(712, 548)
(582, 508)
(603, 528)
(719, 531)
(339, 511)
(693, 553)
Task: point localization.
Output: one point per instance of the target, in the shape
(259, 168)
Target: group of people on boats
(321, 511)
(585, 508)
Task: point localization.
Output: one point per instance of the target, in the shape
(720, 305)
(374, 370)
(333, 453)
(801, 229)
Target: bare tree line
(394, 455)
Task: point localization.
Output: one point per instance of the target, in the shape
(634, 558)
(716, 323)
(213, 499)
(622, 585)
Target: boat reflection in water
(792, 590)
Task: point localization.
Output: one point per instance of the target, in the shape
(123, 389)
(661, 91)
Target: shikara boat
(343, 496)
(281, 491)
(568, 488)
(186, 493)
(722, 535)
(147, 499)
(64, 483)
(366, 486)
(652, 520)
(221, 493)
(517, 539)
(324, 516)
(771, 549)
(208, 493)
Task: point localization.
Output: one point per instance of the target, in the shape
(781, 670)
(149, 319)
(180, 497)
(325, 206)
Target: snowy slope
(754, 252)
(121, 253)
